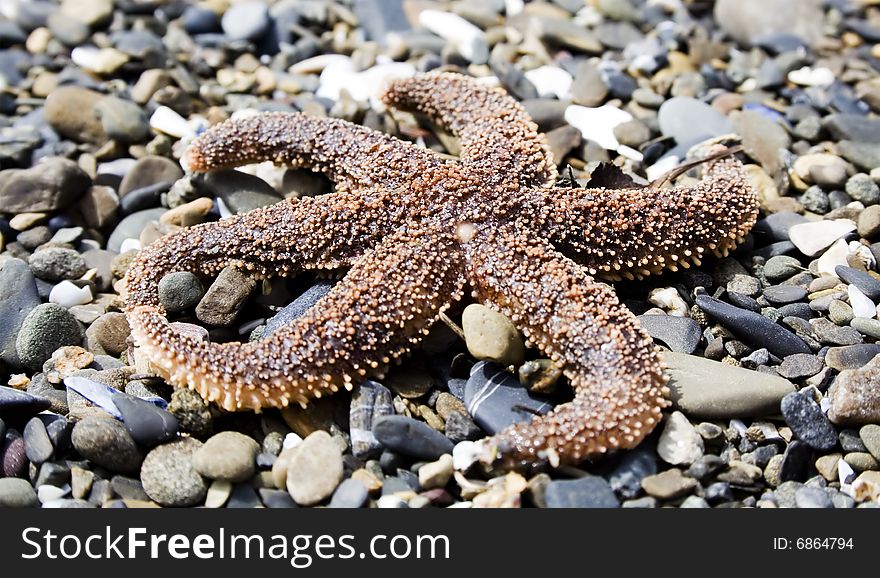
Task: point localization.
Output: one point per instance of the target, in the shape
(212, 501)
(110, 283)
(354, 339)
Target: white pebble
(845, 473)
(662, 167)
(391, 501)
(861, 305)
(165, 120)
(130, 244)
(598, 124)
(225, 213)
(465, 454)
(810, 238)
(833, 257)
(365, 86)
(551, 81)
(47, 493)
(513, 7)
(807, 76)
(738, 425)
(668, 299)
(291, 440)
(68, 294)
(467, 38)
(317, 63)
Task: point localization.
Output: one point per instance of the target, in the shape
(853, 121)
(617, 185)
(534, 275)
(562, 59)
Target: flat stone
(240, 191)
(585, 492)
(70, 111)
(811, 238)
(751, 20)
(851, 356)
(315, 469)
(669, 485)
(709, 389)
(52, 184)
(690, 121)
(681, 334)
(409, 437)
(350, 493)
(37, 444)
(867, 284)
(147, 171)
(495, 398)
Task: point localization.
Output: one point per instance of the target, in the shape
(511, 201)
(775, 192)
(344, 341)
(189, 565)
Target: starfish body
(417, 231)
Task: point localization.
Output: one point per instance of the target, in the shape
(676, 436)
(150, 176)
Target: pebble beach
(773, 351)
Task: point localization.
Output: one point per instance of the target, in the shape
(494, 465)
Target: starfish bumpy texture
(417, 231)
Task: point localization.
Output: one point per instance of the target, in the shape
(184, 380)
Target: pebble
(17, 493)
(369, 401)
(52, 184)
(70, 111)
(240, 191)
(669, 485)
(869, 327)
(812, 238)
(148, 424)
(598, 124)
(122, 120)
(297, 307)
(868, 285)
(68, 294)
(491, 336)
(800, 365)
(466, 38)
(350, 493)
(166, 121)
(246, 20)
(18, 297)
(409, 437)
(754, 328)
(495, 399)
(681, 334)
(131, 227)
(225, 297)
(854, 397)
(149, 170)
(749, 21)
(626, 478)
(218, 493)
(46, 328)
(180, 291)
(168, 475)
(227, 456)
(585, 492)
(679, 442)
(315, 469)
(851, 356)
(56, 263)
(436, 474)
(840, 312)
(812, 498)
(107, 443)
(709, 389)
(806, 420)
(690, 121)
(863, 189)
(782, 294)
(861, 305)
(870, 436)
(869, 222)
(37, 444)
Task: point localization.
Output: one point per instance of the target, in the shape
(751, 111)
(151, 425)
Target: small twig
(451, 324)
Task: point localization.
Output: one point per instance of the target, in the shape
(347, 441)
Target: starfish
(417, 230)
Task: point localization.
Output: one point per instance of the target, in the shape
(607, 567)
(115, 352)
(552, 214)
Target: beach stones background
(773, 350)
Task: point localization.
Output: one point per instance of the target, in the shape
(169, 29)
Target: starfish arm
(636, 232)
(612, 363)
(351, 155)
(384, 305)
(494, 129)
(324, 232)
